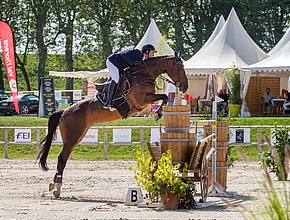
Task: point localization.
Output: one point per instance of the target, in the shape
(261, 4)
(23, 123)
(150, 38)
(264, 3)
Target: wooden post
(105, 143)
(6, 143)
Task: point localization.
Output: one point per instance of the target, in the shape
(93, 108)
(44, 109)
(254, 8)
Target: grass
(123, 151)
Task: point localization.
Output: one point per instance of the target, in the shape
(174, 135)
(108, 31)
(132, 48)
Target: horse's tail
(53, 122)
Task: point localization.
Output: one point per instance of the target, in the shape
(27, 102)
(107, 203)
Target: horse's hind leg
(57, 180)
(68, 146)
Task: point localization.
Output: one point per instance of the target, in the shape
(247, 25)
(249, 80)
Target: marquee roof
(231, 46)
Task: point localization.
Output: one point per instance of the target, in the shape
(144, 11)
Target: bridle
(177, 65)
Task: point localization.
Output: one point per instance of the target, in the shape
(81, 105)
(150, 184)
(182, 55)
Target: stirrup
(105, 106)
(112, 109)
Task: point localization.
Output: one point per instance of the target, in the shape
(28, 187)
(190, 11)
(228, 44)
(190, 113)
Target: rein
(179, 62)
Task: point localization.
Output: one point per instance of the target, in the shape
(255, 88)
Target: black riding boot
(110, 93)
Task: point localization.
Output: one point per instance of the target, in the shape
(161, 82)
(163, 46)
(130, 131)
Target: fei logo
(22, 135)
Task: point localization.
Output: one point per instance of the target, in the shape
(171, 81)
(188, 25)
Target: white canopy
(91, 76)
(283, 41)
(279, 59)
(215, 32)
(231, 46)
(154, 37)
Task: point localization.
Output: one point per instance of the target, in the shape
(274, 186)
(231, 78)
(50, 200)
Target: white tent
(215, 32)
(231, 46)
(277, 65)
(154, 37)
(279, 61)
(282, 42)
(199, 82)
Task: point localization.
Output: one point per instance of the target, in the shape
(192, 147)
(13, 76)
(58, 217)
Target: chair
(267, 106)
(194, 106)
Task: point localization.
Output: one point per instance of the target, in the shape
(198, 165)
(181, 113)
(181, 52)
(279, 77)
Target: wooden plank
(150, 151)
(193, 156)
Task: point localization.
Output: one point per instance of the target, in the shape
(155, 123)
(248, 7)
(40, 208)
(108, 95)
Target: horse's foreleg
(154, 98)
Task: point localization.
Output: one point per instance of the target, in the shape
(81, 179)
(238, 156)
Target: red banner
(6, 38)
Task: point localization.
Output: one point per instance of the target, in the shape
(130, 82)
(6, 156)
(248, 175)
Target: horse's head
(177, 73)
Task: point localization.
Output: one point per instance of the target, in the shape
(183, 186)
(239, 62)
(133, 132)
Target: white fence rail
(121, 135)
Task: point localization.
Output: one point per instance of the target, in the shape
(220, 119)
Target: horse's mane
(153, 59)
(149, 62)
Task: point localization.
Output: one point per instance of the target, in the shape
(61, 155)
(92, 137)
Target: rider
(117, 62)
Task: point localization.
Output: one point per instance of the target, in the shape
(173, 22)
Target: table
(278, 105)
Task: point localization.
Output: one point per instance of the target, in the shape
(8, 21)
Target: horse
(136, 91)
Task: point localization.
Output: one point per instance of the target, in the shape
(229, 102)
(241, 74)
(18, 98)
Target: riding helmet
(148, 47)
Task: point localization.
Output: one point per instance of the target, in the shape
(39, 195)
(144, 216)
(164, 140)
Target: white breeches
(113, 70)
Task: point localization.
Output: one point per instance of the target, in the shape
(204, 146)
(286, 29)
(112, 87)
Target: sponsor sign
(77, 95)
(155, 135)
(56, 136)
(57, 95)
(91, 136)
(240, 136)
(122, 135)
(22, 135)
(6, 38)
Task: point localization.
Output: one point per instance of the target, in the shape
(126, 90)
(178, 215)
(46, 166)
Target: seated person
(282, 96)
(286, 104)
(223, 106)
(267, 101)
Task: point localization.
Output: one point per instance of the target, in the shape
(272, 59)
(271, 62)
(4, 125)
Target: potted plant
(235, 100)
(160, 180)
(277, 157)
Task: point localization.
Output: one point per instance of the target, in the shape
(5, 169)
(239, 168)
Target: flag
(6, 38)
(188, 97)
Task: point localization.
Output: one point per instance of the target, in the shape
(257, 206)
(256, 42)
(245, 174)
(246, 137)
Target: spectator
(267, 101)
(282, 96)
(223, 106)
(286, 104)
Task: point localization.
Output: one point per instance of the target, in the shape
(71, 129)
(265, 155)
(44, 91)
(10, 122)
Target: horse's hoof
(56, 194)
(156, 117)
(51, 186)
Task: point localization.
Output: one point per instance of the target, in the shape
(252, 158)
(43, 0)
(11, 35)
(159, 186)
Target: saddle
(120, 100)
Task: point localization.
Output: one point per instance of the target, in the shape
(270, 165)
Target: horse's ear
(177, 55)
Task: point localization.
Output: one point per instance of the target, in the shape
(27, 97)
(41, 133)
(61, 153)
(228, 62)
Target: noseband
(177, 65)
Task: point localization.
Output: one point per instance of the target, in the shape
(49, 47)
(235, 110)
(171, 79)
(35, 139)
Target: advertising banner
(7, 43)
(22, 135)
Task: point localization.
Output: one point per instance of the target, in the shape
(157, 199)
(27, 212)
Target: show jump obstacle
(206, 156)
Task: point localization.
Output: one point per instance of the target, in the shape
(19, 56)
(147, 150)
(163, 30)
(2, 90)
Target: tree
(46, 29)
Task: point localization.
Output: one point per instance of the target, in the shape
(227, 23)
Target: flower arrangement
(234, 80)
(159, 179)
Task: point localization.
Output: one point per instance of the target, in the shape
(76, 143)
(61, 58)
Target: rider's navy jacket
(126, 59)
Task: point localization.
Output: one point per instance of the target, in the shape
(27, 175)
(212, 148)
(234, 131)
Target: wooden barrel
(181, 145)
(221, 174)
(176, 118)
(221, 152)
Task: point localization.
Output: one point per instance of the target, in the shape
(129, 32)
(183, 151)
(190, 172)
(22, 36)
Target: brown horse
(138, 90)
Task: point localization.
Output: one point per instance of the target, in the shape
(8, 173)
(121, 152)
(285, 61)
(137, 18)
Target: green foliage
(234, 80)
(277, 201)
(159, 179)
(278, 206)
(274, 158)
